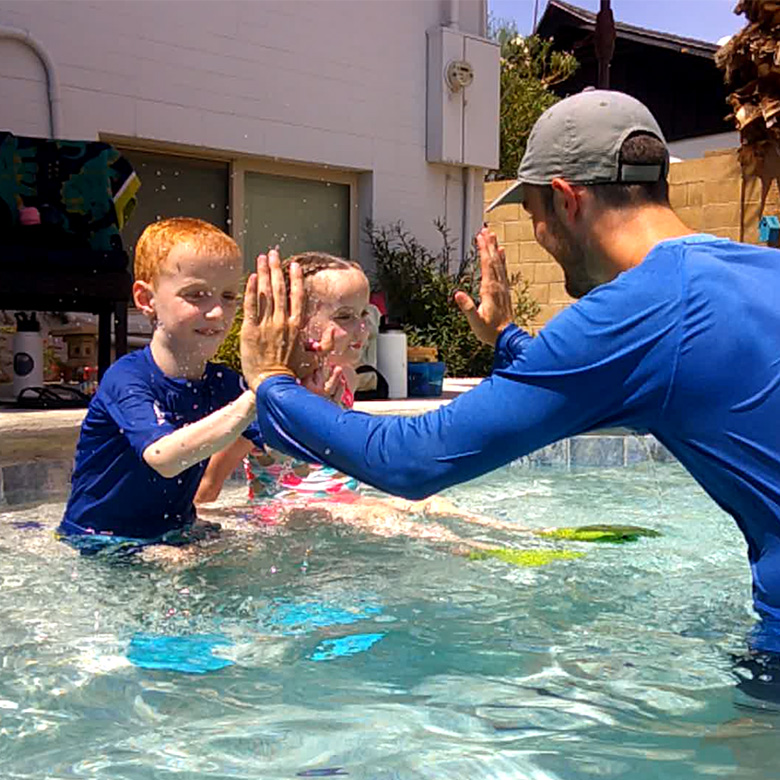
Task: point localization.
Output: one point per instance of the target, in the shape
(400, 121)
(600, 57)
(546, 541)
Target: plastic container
(391, 357)
(28, 353)
(425, 380)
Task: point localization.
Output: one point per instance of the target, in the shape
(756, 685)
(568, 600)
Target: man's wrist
(261, 376)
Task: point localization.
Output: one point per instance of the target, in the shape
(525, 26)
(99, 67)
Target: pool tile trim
(36, 448)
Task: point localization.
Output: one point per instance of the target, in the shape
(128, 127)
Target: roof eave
(629, 32)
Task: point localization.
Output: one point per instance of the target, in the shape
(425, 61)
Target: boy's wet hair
(157, 240)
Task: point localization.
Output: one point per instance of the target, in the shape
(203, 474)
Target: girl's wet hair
(311, 263)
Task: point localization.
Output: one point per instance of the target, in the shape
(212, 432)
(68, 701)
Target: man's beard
(570, 255)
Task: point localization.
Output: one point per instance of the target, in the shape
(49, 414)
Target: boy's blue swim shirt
(685, 345)
(113, 489)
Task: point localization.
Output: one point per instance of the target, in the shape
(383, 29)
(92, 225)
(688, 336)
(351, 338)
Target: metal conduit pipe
(454, 10)
(52, 84)
(468, 197)
(468, 173)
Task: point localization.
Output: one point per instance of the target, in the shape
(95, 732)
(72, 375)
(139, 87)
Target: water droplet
(162, 187)
(213, 205)
(327, 450)
(158, 173)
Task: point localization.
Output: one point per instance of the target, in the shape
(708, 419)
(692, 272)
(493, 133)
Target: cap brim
(513, 195)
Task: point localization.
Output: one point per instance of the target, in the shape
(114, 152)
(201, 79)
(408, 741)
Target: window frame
(239, 164)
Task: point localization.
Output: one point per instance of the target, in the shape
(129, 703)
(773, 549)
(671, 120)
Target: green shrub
(420, 286)
(229, 353)
(530, 67)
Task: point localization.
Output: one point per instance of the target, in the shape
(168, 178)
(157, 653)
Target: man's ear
(143, 297)
(566, 200)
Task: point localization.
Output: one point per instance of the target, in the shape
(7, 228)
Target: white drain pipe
(52, 84)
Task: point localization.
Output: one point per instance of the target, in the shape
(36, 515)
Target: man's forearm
(412, 457)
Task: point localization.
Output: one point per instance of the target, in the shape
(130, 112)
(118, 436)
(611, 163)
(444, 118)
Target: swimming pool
(334, 653)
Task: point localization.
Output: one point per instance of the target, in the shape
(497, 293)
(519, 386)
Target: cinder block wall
(706, 193)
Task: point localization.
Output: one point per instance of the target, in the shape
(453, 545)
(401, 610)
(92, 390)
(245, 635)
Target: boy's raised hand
(495, 307)
(270, 325)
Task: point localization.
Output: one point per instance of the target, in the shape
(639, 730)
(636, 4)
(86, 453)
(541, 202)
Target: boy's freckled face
(195, 299)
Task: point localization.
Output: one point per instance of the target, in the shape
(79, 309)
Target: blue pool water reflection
(325, 651)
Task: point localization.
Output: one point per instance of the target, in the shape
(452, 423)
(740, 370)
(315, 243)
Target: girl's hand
(329, 382)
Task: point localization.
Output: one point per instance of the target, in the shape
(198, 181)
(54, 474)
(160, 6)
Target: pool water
(324, 651)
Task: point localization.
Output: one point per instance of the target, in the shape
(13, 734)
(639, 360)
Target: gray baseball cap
(579, 140)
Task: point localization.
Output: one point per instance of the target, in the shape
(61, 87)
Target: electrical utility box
(463, 99)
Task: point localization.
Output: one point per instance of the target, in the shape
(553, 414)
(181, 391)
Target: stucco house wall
(317, 89)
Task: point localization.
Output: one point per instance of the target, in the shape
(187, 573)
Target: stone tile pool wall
(44, 479)
(36, 447)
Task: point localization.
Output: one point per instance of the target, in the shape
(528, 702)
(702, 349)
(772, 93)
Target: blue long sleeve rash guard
(686, 345)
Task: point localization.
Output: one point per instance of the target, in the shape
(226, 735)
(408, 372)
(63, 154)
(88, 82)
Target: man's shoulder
(634, 301)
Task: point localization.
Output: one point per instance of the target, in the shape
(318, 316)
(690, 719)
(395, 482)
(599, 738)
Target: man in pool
(673, 332)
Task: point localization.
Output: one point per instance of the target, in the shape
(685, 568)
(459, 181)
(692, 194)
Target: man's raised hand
(270, 325)
(495, 308)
